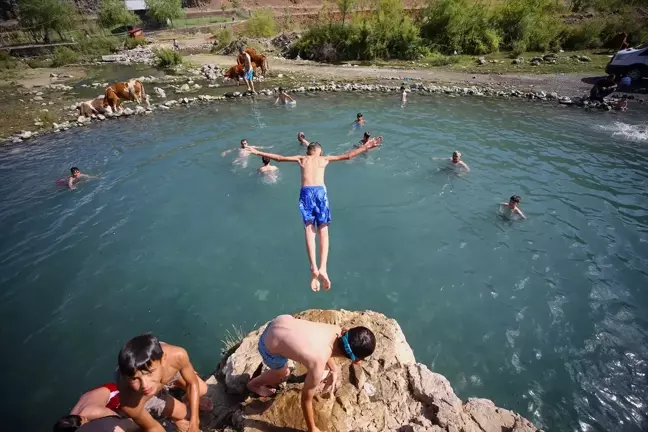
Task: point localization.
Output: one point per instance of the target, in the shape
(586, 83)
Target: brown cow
(237, 72)
(131, 90)
(256, 58)
(93, 106)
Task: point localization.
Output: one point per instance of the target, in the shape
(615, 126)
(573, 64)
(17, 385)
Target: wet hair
(280, 89)
(312, 147)
(515, 199)
(69, 423)
(359, 115)
(243, 140)
(301, 134)
(138, 354)
(402, 87)
(265, 160)
(361, 341)
(73, 169)
(457, 154)
(367, 134)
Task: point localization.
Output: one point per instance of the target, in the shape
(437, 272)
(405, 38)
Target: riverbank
(42, 100)
(387, 391)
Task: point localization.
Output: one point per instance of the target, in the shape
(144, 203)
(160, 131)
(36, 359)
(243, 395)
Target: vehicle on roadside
(632, 62)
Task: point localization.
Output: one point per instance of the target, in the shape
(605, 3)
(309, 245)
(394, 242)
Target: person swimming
(284, 98)
(269, 172)
(456, 161)
(403, 94)
(512, 207)
(302, 139)
(75, 176)
(365, 138)
(359, 120)
(243, 153)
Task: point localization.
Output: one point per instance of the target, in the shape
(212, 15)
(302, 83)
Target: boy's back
(306, 342)
(312, 170)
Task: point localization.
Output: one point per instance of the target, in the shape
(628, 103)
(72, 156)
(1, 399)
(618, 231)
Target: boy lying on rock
(315, 346)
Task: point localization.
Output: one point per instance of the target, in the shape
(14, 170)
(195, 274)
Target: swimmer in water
(359, 121)
(403, 94)
(456, 161)
(284, 98)
(364, 140)
(512, 206)
(622, 104)
(267, 170)
(243, 153)
(302, 139)
(313, 201)
(75, 176)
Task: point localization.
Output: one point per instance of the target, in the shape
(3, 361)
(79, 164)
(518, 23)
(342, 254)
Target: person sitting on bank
(603, 88)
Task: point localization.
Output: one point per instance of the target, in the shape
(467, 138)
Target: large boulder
(387, 392)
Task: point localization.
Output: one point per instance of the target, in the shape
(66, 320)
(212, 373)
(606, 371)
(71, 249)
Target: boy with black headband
(315, 346)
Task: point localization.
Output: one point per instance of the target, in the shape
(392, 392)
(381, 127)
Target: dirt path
(570, 84)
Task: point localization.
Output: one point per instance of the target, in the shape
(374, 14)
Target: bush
(7, 61)
(583, 36)
(222, 38)
(38, 63)
(168, 57)
(261, 24)
(63, 56)
(436, 59)
(518, 47)
(536, 23)
(96, 46)
(460, 25)
(113, 13)
(130, 43)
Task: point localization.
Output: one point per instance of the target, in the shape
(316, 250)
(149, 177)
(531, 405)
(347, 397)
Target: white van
(631, 61)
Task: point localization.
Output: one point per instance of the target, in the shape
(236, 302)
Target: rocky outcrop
(390, 391)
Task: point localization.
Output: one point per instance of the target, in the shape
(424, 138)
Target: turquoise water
(545, 316)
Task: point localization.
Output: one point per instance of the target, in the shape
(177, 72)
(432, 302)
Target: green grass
(190, 22)
(467, 63)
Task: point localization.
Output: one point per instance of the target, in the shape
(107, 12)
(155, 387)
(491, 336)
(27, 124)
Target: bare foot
(182, 425)
(315, 283)
(325, 279)
(263, 391)
(206, 404)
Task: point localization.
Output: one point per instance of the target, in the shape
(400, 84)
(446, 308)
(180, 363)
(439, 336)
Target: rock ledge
(388, 392)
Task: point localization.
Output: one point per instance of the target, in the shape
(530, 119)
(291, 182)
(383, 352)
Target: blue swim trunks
(314, 205)
(271, 360)
(249, 74)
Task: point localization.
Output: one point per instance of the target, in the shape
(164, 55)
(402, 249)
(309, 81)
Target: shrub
(222, 38)
(518, 47)
(460, 25)
(7, 61)
(168, 57)
(63, 56)
(37, 63)
(535, 22)
(583, 36)
(100, 45)
(261, 24)
(130, 43)
(436, 59)
(114, 13)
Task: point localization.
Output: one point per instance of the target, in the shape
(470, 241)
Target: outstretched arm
(518, 211)
(276, 157)
(227, 151)
(372, 143)
(438, 158)
(463, 164)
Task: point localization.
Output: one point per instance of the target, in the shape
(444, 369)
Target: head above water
(75, 171)
(140, 361)
(402, 88)
(367, 135)
(515, 199)
(301, 135)
(69, 423)
(265, 160)
(357, 343)
(281, 90)
(456, 156)
(244, 143)
(359, 116)
(314, 148)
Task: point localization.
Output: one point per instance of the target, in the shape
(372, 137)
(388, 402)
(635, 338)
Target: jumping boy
(75, 176)
(284, 98)
(248, 72)
(302, 139)
(313, 201)
(243, 153)
(512, 206)
(147, 370)
(313, 345)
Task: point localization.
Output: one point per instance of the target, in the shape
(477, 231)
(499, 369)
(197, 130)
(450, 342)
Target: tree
(114, 13)
(163, 10)
(345, 6)
(40, 17)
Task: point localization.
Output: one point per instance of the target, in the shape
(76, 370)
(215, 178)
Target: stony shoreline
(389, 391)
(332, 86)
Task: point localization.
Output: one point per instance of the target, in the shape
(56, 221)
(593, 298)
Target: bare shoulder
(177, 356)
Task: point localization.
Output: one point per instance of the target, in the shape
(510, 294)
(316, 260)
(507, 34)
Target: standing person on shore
(313, 201)
(248, 71)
